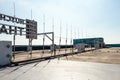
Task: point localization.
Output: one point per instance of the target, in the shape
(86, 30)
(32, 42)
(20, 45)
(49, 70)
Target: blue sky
(88, 18)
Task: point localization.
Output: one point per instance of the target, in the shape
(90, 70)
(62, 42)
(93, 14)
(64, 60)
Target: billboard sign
(31, 29)
(31, 26)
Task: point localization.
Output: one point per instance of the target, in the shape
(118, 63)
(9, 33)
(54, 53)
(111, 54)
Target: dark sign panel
(31, 29)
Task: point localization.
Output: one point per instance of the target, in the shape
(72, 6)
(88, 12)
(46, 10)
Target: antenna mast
(30, 40)
(14, 34)
(53, 24)
(78, 32)
(71, 39)
(66, 38)
(60, 37)
(43, 32)
(31, 14)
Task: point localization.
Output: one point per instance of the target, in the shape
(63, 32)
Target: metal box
(80, 47)
(5, 52)
(98, 45)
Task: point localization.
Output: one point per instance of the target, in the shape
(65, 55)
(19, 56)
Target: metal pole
(75, 33)
(31, 38)
(66, 38)
(30, 41)
(82, 32)
(78, 33)
(31, 14)
(52, 24)
(14, 34)
(54, 50)
(30, 46)
(71, 39)
(43, 32)
(53, 46)
(60, 38)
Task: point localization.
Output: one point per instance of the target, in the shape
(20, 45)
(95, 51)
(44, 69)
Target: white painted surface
(62, 70)
(5, 52)
(53, 47)
(96, 46)
(80, 47)
(99, 45)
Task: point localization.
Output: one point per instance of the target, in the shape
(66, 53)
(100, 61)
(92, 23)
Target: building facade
(90, 41)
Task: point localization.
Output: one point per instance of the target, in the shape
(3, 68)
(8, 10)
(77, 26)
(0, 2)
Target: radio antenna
(14, 34)
(66, 40)
(44, 34)
(66, 37)
(82, 32)
(75, 33)
(71, 39)
(53, 24)
(53, 45)
(60, 36)
(30, 40)
(78, 32)
(31, 14)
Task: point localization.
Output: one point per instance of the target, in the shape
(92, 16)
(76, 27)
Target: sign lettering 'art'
(9, 29)
(31, 26)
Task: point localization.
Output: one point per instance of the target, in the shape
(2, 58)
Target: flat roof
(89, 38)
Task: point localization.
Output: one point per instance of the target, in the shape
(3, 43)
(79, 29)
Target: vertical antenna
(86, 33)
(75, 33)
(53, 46)
(66, 38)
(30, 40)
(43, 32)
(44, 23)
(78, 33)
(14, 8)
(82, 35)
(14, 34)
(60, 37)
(60, 30)
(53, 24)
(71, 39)
(31, 14)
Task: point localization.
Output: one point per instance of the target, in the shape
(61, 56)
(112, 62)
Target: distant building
(93, 42)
